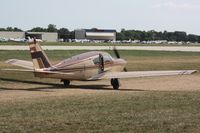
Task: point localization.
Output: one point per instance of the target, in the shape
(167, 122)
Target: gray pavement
(150, 48)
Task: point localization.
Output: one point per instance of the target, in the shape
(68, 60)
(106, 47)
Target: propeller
(118, 56)
(116, 52)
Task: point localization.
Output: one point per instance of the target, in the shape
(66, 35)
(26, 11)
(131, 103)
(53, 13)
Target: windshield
(106, 58)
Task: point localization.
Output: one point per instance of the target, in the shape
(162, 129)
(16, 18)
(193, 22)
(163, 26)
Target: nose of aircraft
(124, 61)
(121, 61)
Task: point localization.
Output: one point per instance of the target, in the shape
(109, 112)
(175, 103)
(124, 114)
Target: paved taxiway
(150, 48)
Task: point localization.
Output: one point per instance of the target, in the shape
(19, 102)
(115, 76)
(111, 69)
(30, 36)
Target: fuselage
(84, 66)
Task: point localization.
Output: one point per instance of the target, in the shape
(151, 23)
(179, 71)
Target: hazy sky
(159, 15)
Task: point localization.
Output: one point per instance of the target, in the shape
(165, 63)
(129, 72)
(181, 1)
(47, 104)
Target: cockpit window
(96, 61)
(106, 59)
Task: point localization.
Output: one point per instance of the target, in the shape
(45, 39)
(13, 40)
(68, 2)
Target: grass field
(29, 104)
(105, 112)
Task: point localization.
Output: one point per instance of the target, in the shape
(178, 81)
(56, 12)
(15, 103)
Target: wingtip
(10, 61)
(193, 71)
(190, 71)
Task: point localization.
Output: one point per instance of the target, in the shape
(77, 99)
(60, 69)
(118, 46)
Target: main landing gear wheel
(66, 83)
(115, 83)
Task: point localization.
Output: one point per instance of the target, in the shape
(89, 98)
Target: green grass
(137, 60)
(60, 54)
(105, 112)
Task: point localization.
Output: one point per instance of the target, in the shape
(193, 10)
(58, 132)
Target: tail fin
(40, 59)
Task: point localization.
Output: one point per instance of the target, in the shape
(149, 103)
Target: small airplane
(89, 66)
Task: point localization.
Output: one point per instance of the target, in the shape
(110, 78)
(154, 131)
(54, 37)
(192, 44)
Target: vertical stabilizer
(40, 59)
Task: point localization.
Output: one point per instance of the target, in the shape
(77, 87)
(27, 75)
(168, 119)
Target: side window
(96, 61)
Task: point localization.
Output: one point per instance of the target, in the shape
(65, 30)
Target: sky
(159, 15)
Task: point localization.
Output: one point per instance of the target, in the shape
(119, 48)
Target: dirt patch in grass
(12, 90)
(167, 83)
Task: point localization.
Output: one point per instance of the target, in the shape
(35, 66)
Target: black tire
(115, 84)
(66, 83)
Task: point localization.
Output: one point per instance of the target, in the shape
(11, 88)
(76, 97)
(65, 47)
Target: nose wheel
(115, 83)
(66, 83)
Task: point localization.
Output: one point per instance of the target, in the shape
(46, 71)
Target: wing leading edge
(137, 74)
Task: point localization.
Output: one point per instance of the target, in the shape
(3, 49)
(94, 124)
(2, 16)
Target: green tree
(17, 29)
(119, 36)
(2, 29)
(52, 28)
(9, 29)
(198, 39)
(64, 33)
(72, 35)
(180, 36)
(192, 38)
(38, 29)
(151, 35)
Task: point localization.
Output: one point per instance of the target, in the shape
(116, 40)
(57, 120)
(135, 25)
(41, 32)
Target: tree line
(10, 29)
(154, 35)
(65, 34)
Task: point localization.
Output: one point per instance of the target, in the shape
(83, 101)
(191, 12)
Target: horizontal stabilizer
(19, 70)
(37, 71)
(21, 63)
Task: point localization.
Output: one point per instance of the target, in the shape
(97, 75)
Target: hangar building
(8, 34)
(45, 36)
(95, 34)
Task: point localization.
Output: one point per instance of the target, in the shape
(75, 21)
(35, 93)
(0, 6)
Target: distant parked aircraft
(32, 39)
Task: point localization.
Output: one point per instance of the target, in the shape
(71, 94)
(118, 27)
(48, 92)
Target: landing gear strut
(115, 83)
(66, 83)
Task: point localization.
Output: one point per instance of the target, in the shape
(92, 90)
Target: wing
(21, 63)
(136, 74)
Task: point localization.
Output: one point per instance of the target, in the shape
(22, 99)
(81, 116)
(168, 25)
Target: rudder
(39, 57)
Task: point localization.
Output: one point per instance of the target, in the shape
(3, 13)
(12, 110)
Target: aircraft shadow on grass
(58, 86)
